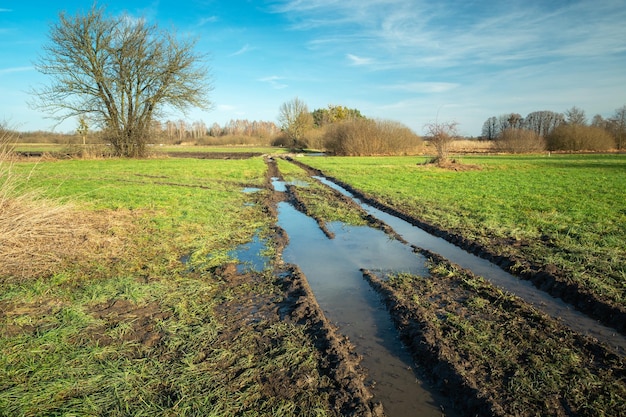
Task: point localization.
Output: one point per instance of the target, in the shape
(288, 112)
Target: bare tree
(121, 73)
(617, 126)
(490, 128)
(543, 122)
(295, 119)
(441, 135)
(576, 116)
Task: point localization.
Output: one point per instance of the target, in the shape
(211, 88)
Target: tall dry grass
(38, 235)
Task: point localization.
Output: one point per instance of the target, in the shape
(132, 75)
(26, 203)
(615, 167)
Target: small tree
(617, 127)
(294, 119)
(83, 128)
(441, 135)
(119, 72)
(575, 116)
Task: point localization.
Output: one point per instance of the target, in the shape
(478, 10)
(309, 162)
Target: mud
(545, 277)
(343, 379)
(481, 384)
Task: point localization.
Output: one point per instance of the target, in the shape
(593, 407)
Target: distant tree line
(181, 131)
(569, 131)
(342, 131)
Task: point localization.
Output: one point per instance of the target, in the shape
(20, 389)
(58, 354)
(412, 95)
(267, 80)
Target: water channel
(332, 268)
(543, 301)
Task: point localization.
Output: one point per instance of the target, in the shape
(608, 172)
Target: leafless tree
(121, 73)
(295, 119)
(490, 128)
(543, 122)
(575, 116)
(441, 135)
(617, 126)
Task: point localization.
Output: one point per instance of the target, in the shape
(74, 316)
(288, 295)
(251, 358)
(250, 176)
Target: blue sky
(413, 61)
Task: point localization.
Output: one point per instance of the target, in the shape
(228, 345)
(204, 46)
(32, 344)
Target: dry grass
(472, 146)
(38, 236)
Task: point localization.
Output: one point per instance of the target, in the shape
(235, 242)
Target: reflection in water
(250, 256)
(524, 289)
(332, 268)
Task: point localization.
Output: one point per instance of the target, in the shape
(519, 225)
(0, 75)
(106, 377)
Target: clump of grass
(523, 361)
(36, 233)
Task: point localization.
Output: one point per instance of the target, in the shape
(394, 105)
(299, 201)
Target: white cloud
(241, 51)
(357, 60)
(225, 107)
(422, 87)
(14, 69)
(274, 81)
(206, 20)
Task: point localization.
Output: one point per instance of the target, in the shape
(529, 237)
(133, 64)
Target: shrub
(573, 137)
(520, 141)
(361, 137)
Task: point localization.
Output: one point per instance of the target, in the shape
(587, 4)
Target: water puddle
(250, 190)
(333, 270)
(251, 256)
(281, 186)
(524, 289)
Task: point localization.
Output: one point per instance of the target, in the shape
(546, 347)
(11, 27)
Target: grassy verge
(131, 329)
(496, 353)
(564, 211)
(318, 200)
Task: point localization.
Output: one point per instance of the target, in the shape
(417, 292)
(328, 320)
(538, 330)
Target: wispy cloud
(423, 33)
(5, 10)
(14, 69)
(207, 20)
(225, 107)
(241, 51)
(422, 87)
(274, 81)
(357, 60)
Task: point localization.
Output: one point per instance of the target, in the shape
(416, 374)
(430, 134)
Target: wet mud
(478, 385)
(441, 319)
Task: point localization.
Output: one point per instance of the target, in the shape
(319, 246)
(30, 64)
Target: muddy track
(490, 352)
(545, 278)
(342, 363)
(442, 320)
(352, 398)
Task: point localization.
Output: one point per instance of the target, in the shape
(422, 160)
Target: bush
(520, 141)
(579, 138)
(361, 137)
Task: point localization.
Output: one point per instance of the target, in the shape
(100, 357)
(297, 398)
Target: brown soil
(430, 313)
(452, 165)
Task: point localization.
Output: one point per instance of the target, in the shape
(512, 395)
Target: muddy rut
(431, 312)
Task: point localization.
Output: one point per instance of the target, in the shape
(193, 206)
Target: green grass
(527, 361)
(61, 355)
(197, 204)
(567, 210)
(320, 201)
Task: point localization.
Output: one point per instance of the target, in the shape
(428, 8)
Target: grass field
(132, 330)
(562, 210)
(122, 326)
